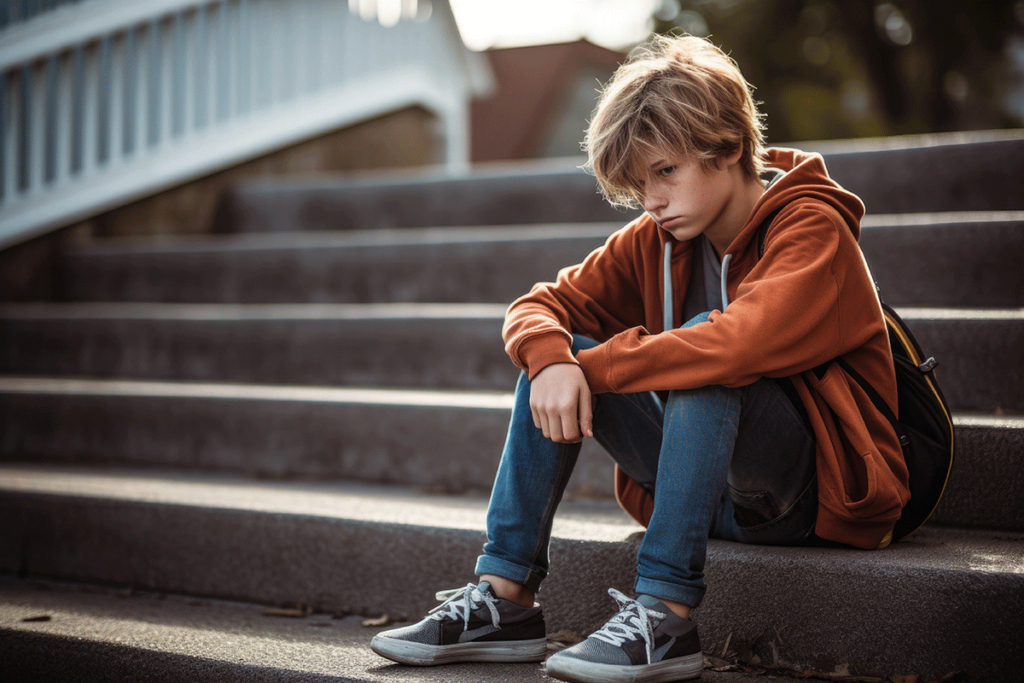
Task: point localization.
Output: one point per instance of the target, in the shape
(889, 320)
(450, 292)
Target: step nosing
(934, 548)
(483, 400)
(350, 239)
(474, 399)
(348, 502)
(932, 218)
(941, 313)
(251, 312)
(226, 312)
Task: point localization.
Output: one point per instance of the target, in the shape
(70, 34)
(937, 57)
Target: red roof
(531, 84)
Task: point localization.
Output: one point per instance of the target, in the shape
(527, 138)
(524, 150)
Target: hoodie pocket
(849, 474)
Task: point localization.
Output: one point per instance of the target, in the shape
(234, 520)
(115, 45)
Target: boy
(701, 366)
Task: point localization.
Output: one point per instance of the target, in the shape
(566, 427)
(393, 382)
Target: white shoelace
(633, 620)
(467, 598)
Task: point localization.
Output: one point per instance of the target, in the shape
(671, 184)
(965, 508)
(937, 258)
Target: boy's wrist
(594, 363)
(544, 350)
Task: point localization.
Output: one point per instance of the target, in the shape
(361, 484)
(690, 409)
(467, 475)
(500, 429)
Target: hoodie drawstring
(668, 287)
(725, 278)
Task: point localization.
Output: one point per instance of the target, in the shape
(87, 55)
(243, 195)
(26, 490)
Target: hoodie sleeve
(808, 300)
(598, 298)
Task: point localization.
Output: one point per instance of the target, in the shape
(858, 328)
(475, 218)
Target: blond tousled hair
(673, 94)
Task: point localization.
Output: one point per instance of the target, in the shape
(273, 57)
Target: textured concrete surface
(98, 634)
(952, 599)
(443, 440)
(450, 439)
(486, 265)
(402, 345)
(495, 194)
(986, 485)
(965, 171)
(980, 355)
(396, 345)
(960, 259)
(947, 259)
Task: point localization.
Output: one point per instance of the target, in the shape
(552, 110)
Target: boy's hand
(562, 404)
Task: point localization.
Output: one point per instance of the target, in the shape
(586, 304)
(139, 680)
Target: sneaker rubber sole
(421, 654)
(581, 671)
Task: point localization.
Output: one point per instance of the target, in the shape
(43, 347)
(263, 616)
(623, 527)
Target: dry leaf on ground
(291, 612)
(567, 637)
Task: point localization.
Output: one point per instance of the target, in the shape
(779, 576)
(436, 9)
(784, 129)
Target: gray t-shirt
(712, 276)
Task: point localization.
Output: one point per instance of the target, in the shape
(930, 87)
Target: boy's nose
(652, 202)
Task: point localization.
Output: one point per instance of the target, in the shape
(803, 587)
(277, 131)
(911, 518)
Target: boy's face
(686, 200)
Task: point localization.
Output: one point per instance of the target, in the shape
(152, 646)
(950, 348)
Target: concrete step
(958, 172)
(918, 173)
(935, 259)
(480, 265)
(942, 600)
(93, 634)
(395, 345)
(947, 259)
(449, 440)
(401, 345)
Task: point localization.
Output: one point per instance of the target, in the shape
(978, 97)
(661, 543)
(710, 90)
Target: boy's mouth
(667, 223)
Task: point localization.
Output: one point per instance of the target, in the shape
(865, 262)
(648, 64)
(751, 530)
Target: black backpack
(925, 426)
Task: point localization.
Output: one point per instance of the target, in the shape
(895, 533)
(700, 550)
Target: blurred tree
(851, 68)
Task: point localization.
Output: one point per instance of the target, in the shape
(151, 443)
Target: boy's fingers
(545, 425)
(570, 428)
(555, 427)
(586, 407)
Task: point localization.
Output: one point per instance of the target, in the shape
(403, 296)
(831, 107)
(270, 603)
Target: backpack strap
(876, 399)
(762, 231)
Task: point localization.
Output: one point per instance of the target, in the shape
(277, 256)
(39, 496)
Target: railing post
(11, 112)
(65, 75)
(36, 137)
(116, 107)
(90, 110)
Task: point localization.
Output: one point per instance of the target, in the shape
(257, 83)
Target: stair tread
(343, 546)
(130, 310)
(404, 237)
(89, 310)
(235, 639)
(946, 548)
(348, 239)
(463, 398)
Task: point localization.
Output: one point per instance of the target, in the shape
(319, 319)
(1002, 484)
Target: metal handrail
(107, 101)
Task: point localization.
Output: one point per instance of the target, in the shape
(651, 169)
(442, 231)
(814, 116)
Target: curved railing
(105, 101)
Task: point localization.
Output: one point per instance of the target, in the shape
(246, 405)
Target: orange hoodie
(808, 300)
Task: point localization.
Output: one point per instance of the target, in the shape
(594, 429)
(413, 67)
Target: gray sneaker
(471, 625)
(644, 642)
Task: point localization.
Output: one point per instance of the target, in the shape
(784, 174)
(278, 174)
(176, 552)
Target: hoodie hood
(806, 178)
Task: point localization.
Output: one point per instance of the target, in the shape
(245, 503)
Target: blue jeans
(736, 464)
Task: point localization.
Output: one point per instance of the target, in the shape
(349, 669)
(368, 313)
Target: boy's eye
(666, 171)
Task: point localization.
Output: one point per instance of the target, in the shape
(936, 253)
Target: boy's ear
(732, 158)
(723, 163)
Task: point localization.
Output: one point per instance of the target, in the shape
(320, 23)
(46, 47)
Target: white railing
(106, 101)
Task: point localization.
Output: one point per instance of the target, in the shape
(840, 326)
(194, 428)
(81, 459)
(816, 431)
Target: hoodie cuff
(544, 350)
(596, 368)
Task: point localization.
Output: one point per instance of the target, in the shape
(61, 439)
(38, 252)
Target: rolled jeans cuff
(526, 577)
(669, 591)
